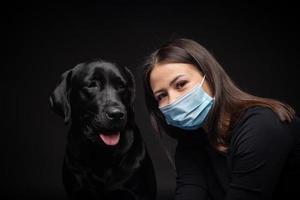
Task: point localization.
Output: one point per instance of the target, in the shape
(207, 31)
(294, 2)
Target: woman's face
(172, 80)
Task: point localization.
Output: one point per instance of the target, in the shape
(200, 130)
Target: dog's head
(99, 96)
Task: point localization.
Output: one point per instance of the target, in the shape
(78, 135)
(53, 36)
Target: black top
(263, 161)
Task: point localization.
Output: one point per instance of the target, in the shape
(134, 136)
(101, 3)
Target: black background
(257, 44)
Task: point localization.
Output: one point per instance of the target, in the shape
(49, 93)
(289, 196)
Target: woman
(231, 144)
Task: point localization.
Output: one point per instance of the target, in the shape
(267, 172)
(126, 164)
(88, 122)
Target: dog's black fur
(98, 97)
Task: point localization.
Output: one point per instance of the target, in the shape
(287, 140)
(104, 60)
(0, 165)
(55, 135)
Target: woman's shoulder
(261, 116)
(261, 112)
(263, 122)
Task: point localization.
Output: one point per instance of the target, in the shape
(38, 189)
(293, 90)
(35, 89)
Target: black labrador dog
(105, 155)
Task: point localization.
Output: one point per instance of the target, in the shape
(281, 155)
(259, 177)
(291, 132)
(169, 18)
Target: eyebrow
(170, 82)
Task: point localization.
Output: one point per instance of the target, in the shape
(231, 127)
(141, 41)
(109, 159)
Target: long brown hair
(230, 101)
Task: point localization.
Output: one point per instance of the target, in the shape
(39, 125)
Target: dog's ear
(131, 84)
(60, 98)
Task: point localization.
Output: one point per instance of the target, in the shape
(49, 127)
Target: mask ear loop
(202, 84)
(202, 81)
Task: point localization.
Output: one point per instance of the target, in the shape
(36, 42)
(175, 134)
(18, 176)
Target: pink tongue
(111, 139)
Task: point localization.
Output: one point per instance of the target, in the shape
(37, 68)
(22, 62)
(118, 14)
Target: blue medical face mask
(190, 110)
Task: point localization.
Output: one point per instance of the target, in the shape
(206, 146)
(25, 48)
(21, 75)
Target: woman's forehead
(162, 74)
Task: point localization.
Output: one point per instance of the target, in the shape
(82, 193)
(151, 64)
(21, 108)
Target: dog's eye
(92, 84)
(121, 86)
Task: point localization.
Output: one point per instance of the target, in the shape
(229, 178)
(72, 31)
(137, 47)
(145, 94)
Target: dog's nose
(114, 113)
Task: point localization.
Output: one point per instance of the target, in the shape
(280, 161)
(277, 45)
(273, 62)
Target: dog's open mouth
(110, 139)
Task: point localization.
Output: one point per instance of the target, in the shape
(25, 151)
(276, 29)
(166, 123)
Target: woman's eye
(181, 84)
(159, 97)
